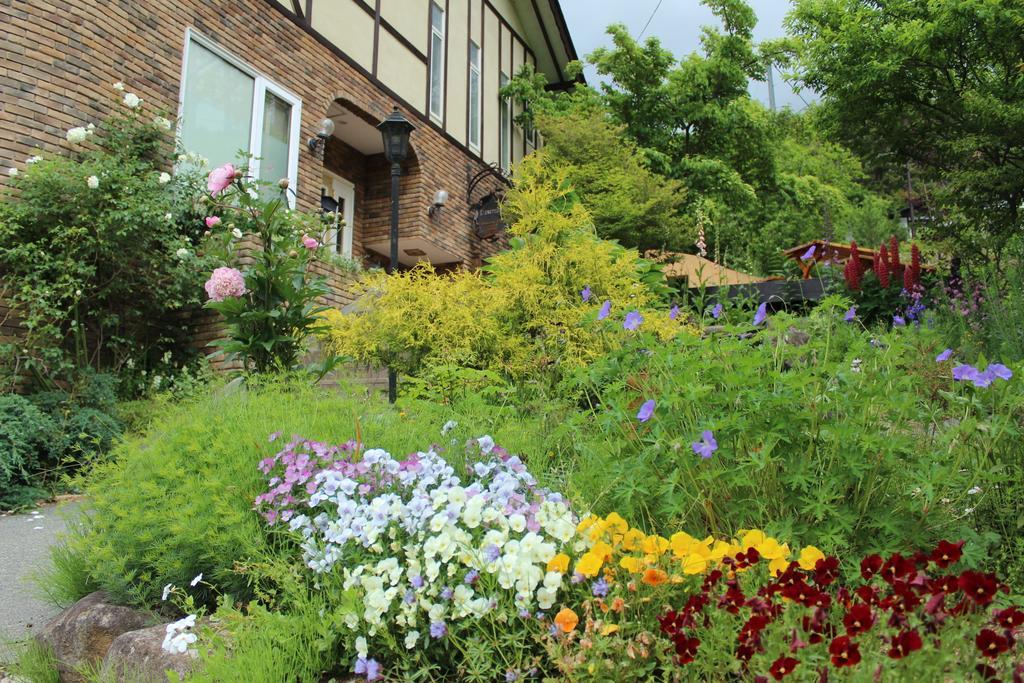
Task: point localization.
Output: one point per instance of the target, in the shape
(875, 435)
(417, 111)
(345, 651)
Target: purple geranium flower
(898, 321)
(809, 254)
(673, 313)
(716, 312)
(999, 370)
(851, 314)
(983, 379)
(606, 308)
(633, 320)
(646, 410)
(944, 356)
(963, 373)
(762, 314)
(438, 629)
(585, 294)
(706, 446)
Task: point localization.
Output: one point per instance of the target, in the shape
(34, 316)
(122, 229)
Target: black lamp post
(394, 130)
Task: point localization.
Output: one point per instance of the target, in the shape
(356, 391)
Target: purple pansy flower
(438, 629)
(633, 320)
(646, 410)
(898, 321)
(585, 294)
(367, 667)
(809, 254)
(944, 356)
(716, 312)
(850, 314)
(761, 315)
(606, 308)
(673, 313)
(706, 446)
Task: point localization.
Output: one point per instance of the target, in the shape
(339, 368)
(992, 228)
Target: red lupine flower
(991, 644)
(1010, 618)
(870, 566)
(826, 570)
(882, 267)
(852, 270)
(947, 553)
(912, 273)
(904, 643)
(782, 667)
(897, 567)
(844, 652)
(980, 588)
(894, 254)
(859, 620)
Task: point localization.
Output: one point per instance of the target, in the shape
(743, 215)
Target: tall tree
(938, 83)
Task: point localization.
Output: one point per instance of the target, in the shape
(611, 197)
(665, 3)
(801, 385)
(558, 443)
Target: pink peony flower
(212, 221)
(220, 179)
(225, 282)
(309, 242)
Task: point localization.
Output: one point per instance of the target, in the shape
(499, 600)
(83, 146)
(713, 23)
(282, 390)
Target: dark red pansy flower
(802, 593)
(980, 588)
(944, 584)
(1011, 617)
(991, 644)
(870, 566)
(712, 579)
(897, 567)
(859, 619)
(904, 643)
(867, 594)
(745, 652)
(844, 652)
(782, 667)
(920, 559)
(751, 631)
(936, 603)
(947, 553)
(686, 648)
(826, 571)
(987, 673)
(732, 599)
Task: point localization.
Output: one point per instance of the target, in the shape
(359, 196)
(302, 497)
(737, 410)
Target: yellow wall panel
(411, 18)
(402, 71)
(348, 26)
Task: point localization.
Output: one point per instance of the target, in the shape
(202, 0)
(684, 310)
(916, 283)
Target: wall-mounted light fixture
(440, 199)
(319, 143)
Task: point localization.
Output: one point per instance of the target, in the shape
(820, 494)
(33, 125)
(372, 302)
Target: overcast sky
(677, 24)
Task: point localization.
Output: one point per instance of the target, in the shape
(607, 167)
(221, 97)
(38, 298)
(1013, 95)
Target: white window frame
(261, 85)
(436, 32)
(505, 126)
(475, 102)
(348, 191)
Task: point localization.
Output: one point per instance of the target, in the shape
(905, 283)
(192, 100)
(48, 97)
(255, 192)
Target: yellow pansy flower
(632, 539)
(809, 557)
(589, 564)
(558, 563)
(609, 629)
(616, 523)
(751, 539)
(632, 564)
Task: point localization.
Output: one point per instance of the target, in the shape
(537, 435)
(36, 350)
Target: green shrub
(27, 440)
(178, 500)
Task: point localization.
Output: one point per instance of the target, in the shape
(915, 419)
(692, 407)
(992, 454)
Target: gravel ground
(25, 540)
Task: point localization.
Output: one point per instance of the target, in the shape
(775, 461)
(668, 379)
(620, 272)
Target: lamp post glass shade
(395, 130)
(326, 129)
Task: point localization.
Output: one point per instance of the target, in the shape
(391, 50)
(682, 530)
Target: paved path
(25, 541)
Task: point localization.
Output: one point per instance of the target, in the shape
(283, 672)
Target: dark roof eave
(563, 33)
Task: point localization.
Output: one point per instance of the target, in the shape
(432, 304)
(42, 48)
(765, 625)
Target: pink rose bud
(212, 221)
(293, 253)
(309, 242)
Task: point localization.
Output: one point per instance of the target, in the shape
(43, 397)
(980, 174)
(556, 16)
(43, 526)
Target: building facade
(260, 76)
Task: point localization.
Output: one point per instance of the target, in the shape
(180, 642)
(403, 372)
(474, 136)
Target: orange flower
(618, 604)
(655, 577)
(566, 620)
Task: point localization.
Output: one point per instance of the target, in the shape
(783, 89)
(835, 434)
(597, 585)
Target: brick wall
(61, 58)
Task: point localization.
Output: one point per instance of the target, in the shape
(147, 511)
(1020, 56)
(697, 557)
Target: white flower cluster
(179, 635)
(424, 548)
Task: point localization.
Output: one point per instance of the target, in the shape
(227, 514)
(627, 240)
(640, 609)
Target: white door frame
(340, 188)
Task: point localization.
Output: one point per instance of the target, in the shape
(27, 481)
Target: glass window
(506, 127)
(216, 116)
(228, 109)
(474, 96)
(436, 61)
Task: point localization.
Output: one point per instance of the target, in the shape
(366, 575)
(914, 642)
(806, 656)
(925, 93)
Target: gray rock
(81, 635)
(138, 656)
(797, 337)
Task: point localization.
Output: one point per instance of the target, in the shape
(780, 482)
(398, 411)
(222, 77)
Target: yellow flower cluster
(612, 544)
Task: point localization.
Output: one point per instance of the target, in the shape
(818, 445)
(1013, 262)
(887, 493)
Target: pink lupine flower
(220, 178)
(225, 282)
(309, 243)
(212, 221)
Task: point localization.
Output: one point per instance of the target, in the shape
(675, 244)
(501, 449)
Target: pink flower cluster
(224, 283)
(220, 179)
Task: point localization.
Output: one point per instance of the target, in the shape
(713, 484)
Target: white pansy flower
(237, 233)
(77, 135)
(411, 638)
(131, 100)
(164, 178)
(486, 444)
(93, 182)
(362, 649)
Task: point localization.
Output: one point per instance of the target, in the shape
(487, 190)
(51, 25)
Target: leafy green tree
(938, 83)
